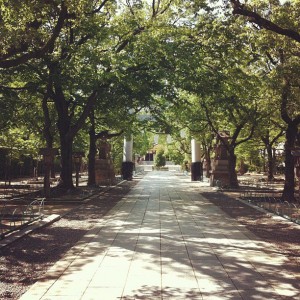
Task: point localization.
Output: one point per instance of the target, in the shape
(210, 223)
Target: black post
(127, 170)
(197, 171)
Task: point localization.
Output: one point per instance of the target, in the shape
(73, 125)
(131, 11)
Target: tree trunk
(208, 163)
(289, 185)
(66, 180)
(270, 162)
(47, 129)
(92, 153)
(66, 125)
(233, 181)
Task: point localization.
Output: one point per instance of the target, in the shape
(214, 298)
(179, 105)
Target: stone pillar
(196, 167)
(128, 164)
(128, 150)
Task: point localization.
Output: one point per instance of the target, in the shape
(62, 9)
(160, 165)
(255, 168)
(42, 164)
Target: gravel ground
(282, 234)
(27, 259)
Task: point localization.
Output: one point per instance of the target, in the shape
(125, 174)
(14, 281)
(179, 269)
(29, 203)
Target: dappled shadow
(26, 260)
(171, 243)
(261, 224)
(154, 292)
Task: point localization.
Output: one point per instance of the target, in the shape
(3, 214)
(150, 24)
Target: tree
(282, 20)
(32, 32)
(262, 22)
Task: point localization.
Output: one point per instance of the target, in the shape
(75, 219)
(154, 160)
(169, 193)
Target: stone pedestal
(104, 172)
(219, 173)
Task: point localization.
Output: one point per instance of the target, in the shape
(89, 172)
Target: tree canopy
(73, 68)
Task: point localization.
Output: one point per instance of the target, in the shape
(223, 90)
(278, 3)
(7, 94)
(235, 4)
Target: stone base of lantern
(219, 173)
(104, 172)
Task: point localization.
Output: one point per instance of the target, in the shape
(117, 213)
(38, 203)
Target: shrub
(160, 159)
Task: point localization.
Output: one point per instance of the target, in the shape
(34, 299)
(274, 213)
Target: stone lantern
(77, 159)
(220, 173)
(48, 159)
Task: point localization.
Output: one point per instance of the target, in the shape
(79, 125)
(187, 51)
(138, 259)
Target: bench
(14, 216)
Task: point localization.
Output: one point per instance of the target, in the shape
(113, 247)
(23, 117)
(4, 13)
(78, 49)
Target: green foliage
(160, 159)
(157, 67)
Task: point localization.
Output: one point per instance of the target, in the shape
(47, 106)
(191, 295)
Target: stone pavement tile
(169, 239)
(208, 284)
(42, 286)
(168, 231)
(241, 269)
(175, 247)
(145, 239)
(192, 230)
(211, 268)
(119, 251)
(115, 262)
(271, 271)
(214, 236)
(260, 294)
(61, 297)
(197, 241)
(130, 230)
(200, 253)
(192, 236)
(123, 246)
(249, 281)
(38, 290)
(286, 287)
(184, 278)
(143, 292)
(109, 277)
(134, 220)
(150, 231)
(181, 293)
(99, 293)
(234, 234)
(143, 282)
(147, 249)
(231, 260)
(231, 252)
(205, 264)
(73, 273)
(177, 256)
(222, 296)
(274, 258)
(174, 265)
(67, 288)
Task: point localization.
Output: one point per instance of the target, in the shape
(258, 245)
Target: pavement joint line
(71, 254)
(130, 285)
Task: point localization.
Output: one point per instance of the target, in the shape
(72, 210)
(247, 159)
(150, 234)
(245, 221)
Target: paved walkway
(165, 241)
